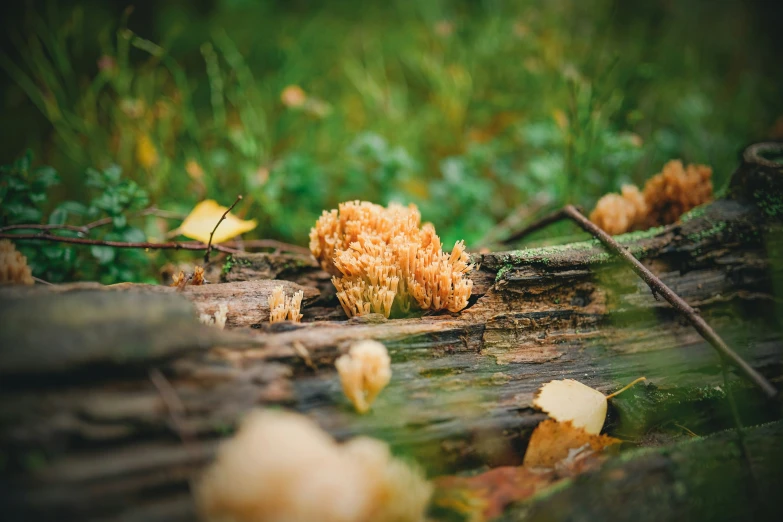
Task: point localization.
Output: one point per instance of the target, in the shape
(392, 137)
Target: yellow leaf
(570, 400)
(552, 442)
(203, 218)
(146, 153)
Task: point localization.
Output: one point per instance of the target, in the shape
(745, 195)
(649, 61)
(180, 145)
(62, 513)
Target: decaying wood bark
(86, 434)
(704, 479)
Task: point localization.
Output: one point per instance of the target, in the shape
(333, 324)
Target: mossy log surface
(89, 435)
(698, 479)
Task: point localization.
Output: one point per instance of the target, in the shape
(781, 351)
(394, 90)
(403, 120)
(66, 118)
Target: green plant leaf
(113, 174)
(58, 216)
(133, 235)
(72, 207)
(22, 214)
(45, 177)
(103, 254)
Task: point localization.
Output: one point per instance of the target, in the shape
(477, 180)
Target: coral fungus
(666, 196)
(198, 275)
(381, 258)
(364, 371)
(13, 265)
(616, 213)
(181, 280)
(675, 191)
(281, 467)
(219, 319)
(282, 307)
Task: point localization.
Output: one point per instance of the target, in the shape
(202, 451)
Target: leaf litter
(201, 221)
(565, 445)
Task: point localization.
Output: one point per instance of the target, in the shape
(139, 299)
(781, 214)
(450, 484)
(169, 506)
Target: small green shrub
(24, 199)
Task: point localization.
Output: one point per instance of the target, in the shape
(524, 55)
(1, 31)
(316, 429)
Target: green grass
(469, 109)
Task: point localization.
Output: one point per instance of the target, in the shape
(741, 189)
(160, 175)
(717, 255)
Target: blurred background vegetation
(471, 109)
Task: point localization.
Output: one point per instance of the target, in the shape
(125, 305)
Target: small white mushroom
(364, 371)
(281, 467)
(283, 308)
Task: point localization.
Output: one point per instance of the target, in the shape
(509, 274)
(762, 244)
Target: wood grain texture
(104, 444)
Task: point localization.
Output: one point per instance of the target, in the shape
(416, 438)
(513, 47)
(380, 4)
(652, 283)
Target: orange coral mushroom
(666, 196)
(13, 265)
(675, 191)
(381, 259)
(617, 213)
(283, 308)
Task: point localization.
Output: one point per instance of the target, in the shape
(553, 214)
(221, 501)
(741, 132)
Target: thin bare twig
(209, 244)
(39, 280)
(270, 243)
(85, 229)
(33, 226)
(517, 216)
(195, 245)
(658, 287)
(152, 211)
(537, 225)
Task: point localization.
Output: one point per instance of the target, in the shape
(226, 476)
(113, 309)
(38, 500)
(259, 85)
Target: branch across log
(115, 244)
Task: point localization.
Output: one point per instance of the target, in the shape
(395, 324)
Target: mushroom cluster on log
(112, 399)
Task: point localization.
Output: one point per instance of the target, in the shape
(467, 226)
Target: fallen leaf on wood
(554, 442)
(202, 220)
(556, 450)
(570, 400)
(485, 496)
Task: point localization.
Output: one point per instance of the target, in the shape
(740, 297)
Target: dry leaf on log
(485, 496)
(554, 442)
(570, 400)
(202, 220)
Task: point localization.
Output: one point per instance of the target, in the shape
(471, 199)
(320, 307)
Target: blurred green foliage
(469, 109)
(24, 192)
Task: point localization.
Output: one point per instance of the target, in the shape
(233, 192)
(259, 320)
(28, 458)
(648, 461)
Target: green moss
(546, 254)
(228, 264)
(602, 257)
(715, 229)
(771, 203)
(543, 253)
(630, 237)
(693, 213)
(502, 272)
(715, 393)
(628, 456)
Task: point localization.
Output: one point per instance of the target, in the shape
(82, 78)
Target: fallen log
(698, 479)
(109, 445)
